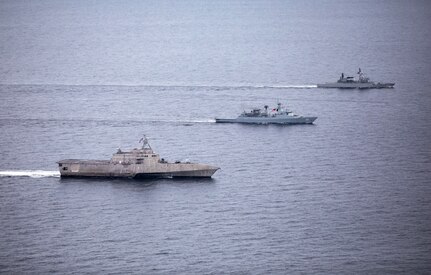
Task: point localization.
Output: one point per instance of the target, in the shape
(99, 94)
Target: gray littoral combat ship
(349, 82)
(137, 163)
(276, 116)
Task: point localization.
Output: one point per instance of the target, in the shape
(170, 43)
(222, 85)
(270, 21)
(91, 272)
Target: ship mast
(362, 77)
(145, 143)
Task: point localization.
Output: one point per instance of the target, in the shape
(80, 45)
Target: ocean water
(349, 194)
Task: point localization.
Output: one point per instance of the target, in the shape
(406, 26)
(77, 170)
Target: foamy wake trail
(210, 120)
(203, 120)
(29, 173)
(293, 86)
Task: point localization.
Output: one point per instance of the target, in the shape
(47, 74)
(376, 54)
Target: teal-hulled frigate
(349, 82)
(278, 115)
(136, 163)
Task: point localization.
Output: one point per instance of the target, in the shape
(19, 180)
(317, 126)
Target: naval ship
(137, 163)
(278, 115)
(349, 82)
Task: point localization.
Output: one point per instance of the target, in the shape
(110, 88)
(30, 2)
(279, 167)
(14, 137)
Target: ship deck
(84, 161)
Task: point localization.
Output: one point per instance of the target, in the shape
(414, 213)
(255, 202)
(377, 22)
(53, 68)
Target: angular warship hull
(349, 82)
(137, 163)
(368, 85)
(100, 168)
(268, 120)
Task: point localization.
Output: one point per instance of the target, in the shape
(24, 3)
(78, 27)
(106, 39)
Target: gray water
(349, 194)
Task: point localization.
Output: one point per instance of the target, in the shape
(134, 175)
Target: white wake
(200, 121)
(293, 86)
(29, 173)
(211, 120)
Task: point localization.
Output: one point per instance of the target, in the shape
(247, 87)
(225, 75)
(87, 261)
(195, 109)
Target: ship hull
(268, 120)
(98, 168)
(367, 85)
(205, 173)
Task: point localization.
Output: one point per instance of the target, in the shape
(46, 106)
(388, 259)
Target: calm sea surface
(349, 194)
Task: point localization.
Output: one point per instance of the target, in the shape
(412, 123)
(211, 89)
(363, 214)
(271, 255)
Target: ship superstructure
(349, 82)
(277, 115)
(136, 163)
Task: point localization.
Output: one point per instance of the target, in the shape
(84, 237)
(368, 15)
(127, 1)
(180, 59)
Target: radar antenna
(362, 78)
(145, 143)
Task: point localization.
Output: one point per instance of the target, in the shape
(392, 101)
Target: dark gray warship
(349, 82)
(137, 163)
(278, 115)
